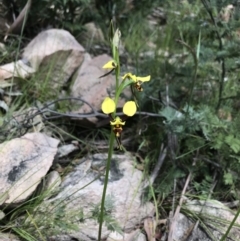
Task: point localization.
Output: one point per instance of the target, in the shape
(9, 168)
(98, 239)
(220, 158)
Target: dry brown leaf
(18, 22)
(149, 227)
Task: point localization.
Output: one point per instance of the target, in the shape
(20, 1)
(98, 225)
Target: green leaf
(228, 178)
(233, 143)
(171, 114)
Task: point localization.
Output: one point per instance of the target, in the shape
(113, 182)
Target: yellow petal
(143, 79)
(129, 108)
(117, 121)
(130, 76)
(110, 65)
(108, 106)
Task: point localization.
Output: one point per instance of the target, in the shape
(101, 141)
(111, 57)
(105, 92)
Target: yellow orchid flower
(108, 106)
(129, 108)
(110, 65)
(137, 80)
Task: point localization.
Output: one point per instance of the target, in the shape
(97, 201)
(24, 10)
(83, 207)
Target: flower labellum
(117, 123)
(108, 106)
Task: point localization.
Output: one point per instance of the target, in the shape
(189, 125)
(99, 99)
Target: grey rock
(216, 217)
(51, 184)
(8, 237)
(24, 162)
(135, 235)
(82, 190)
(64, 151)
(55, 54)
(184, 230)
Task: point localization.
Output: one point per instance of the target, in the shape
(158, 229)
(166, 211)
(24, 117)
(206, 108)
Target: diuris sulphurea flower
(137, 81)
(109, 107)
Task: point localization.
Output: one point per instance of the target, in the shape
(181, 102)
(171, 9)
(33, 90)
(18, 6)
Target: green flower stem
(116, 102)
(120, 89)
(117, 73)
(115, 54)
(116, 58)
(116, 89)
(110, 152)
